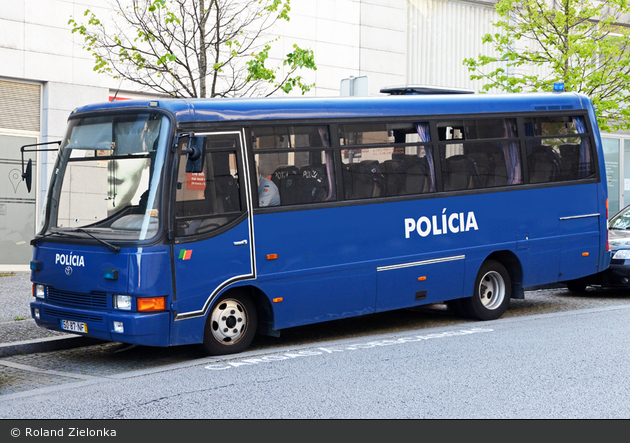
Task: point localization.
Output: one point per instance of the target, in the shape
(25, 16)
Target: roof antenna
(116, 94)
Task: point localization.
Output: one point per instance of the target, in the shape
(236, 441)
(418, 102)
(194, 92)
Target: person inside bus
(268, 194)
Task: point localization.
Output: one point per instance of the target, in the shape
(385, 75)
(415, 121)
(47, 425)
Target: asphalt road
(568, 364)
(553, 355)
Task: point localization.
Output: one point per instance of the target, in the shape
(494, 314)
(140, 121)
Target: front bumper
(150, 329)
(617, 274)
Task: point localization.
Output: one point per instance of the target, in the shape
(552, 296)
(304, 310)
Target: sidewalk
(18, 332)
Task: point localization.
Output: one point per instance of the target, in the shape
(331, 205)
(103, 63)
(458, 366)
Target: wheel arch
(264, 309)
(515, 269)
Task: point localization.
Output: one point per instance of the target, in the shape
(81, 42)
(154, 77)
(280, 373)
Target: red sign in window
(196, 180)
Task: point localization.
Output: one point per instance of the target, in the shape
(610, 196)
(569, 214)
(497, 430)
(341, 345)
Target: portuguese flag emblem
(185, 254)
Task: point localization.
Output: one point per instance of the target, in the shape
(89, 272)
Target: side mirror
(195, 151)
(28, 175)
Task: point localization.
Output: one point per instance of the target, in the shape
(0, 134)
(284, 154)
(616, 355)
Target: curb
(45, 345)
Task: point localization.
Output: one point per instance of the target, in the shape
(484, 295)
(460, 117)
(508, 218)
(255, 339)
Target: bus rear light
(151, 304)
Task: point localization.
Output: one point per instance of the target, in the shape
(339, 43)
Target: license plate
(74, 326)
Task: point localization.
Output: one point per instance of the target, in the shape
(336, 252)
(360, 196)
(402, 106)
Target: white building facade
(45, 74)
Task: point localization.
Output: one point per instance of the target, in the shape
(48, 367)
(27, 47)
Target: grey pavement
(18, 332)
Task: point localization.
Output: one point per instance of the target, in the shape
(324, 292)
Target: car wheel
(231, 325)
(492, 292)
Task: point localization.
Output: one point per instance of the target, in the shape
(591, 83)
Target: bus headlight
(122, 302)
(622, 254)
(39, 291)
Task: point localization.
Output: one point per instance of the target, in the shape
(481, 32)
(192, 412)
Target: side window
(386, 160)
(558, 148)
(481, 153)
(294, 165)
(208, 200)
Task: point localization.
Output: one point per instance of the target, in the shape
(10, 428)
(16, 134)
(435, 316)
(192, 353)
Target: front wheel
(493, 290)
(231, 325)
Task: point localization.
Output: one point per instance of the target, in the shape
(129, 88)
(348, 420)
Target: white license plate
(74, 326)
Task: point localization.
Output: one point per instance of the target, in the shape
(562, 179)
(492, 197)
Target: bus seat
(394, 171)
(459, 172)
(544, 164)
(485, 168)
(364, 180)
(416, 175)
(313, 184)
(369, 179)
(226, 190)
(346, 175)
(286, 179)
(491, 166)
(570, 160)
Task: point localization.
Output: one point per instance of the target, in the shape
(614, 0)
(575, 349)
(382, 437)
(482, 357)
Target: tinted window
(210, 199)
(479, 153)
(294, 165)
(558, 149)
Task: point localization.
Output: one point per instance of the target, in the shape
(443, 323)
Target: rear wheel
(231, 325)
(493, 289)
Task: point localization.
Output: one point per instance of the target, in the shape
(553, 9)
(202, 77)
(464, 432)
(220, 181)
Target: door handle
(240, 243)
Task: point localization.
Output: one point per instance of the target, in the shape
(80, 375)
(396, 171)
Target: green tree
(582, 43)
(195, 48)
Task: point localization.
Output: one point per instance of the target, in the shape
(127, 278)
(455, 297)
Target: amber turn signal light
(146, 304)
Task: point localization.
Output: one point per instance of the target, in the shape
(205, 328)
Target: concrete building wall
(350, 38)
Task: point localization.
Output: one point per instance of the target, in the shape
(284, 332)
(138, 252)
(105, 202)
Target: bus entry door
(213, 226)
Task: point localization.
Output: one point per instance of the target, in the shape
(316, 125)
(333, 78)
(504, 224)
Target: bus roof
(248, 109)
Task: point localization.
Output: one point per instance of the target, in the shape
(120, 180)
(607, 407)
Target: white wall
(349, 38)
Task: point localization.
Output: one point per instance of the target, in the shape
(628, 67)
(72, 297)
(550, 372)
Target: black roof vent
(423, 90)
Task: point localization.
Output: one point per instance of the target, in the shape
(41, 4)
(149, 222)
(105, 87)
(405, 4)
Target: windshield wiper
(115, 249)
(62, 234)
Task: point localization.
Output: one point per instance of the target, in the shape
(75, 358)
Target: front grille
(72, 316)
(91, 300)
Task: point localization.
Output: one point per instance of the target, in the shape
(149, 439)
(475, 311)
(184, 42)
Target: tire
(492, 293)
(576, 286)
(231, 325)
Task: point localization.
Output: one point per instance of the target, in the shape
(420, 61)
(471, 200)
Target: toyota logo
(68, 270)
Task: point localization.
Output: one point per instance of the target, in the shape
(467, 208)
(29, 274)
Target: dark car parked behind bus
(618, 273)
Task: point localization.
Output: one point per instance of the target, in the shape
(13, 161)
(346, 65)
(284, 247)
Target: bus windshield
(107, 179)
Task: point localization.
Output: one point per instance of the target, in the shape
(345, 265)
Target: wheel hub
(492, 290)
(229, 321)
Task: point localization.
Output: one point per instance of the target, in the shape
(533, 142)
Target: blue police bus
(207, 221)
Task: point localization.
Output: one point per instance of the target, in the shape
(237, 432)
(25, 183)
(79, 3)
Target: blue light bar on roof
(558, 87)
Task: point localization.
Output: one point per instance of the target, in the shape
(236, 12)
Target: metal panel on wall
(20, 105)
(441, 34)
